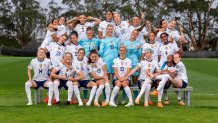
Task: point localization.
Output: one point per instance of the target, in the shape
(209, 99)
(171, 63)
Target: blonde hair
(68, 53)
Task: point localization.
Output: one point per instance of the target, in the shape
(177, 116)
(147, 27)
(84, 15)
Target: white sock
(142, 91)
(77, 93)
(99, 92)
(28, 85)
(166, 95)
(70, 90)
(147, 91)
(56, 90)
(128, 93)
(92, 93)
(178, 95)
(50, 86)
(114, 93)
(107, 91)
(162, 83)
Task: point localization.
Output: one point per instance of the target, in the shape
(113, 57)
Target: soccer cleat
(29, 103)
(166, 102)
(81, 104)
(129, 104)
(54, 101)
(104, 104)
(154, 93)
(137, 100)
(96, 104)
(49, 104)
(123, 102)
(88, 103)
(85, 101)
(159, 105)
(46, 100)
(73, 102)
(112, 104)
(150, 103)
(67, 103)
(181, 103)
(146, 104)
(58, 103)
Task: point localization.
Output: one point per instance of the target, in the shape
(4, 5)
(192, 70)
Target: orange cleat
(104, 104)
(146, 104)
(154, 93)
(150, 103)
(96, 104)
(159, 105)
(85, 101)
(73, 102)
(166, 102)
(46, 100)
(181, 103)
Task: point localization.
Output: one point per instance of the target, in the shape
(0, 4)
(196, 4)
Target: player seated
(122, 66)
(98, 71)
(65, 77)
(40, 66)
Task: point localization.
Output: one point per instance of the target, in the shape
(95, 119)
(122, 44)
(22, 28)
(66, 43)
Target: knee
(50, 84)
(69, 84)
(107, 84)
(118, 84)
(56, 83)
(124, 84)
(28, 84)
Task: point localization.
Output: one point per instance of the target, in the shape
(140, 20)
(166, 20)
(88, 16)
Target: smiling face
(134, 34)
(135, 21)
(73, 39)
(63, 39)
(108, 16)
(109, 30)
(41, 54)
(164, 24)
(81, 54)
(62, 20)
(176, 58)
(151, 37)
(170, 58)
(93, 57)
(117, 17)
(82, 19)
(122, 51)
(68, 57)
(148, 54)
(89, 34)
(164, 38)
(55, 22)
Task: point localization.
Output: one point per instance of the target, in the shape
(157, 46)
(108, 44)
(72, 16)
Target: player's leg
(50, 86)
(69, 85)
(125, 85)
(77, 92)
(92, 85)
(28, 86)
(99, 91)
(142, 85)
(147, 92)
(114, 93)
(56, 90)
(107, 93)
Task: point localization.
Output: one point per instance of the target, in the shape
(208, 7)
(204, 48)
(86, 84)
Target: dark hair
(82, 50)
(152, 32)
(164, 33)
(74, 33)
(92, 52)
(65, 36)
(110, 12)
(161, 21)
(88, 28)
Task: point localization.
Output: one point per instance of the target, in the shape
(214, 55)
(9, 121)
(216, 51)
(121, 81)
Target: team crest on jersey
(122, 63)
(89, 43)
(177, 66)
(40, 65)
(76, 48)
(81, 64)
(59, 48)
(152, 46)
(131, 46)
(149, 65)
(166, 48)
(111, 42)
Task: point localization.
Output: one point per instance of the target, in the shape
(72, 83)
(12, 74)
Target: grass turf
(202, 75)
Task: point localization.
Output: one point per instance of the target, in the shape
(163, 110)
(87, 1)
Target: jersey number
(40, 71)
(112, 46)
(99, 70)
(58, 53)
(121, 68)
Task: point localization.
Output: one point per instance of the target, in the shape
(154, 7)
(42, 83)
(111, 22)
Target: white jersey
(40, 68)
(62, 29)
(81, 29)
(56, 52)
(122, 65)
(150, 65)
(181, 71)
(122, 31)
(73, 49)
(164, 66)
(103, 25)
(155, 47)
(97, 69)
(83, 66)
(65, 71)
(174, 34)
(165, 50)
(174, 47)
(141, 35)
(48, 39)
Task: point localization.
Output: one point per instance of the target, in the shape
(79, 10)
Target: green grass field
(203, 77)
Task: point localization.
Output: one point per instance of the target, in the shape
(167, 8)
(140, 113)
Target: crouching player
(82, 62)
(122, 66)
(98, 71)
(67, 79)
(41, 66)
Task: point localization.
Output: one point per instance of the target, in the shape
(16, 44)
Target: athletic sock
(70, 90)
(114, 93)
(56, 90)
(128, 93)
(92, 93)
(99, 92)
(28, 85)
(77, 93)
(107, 91)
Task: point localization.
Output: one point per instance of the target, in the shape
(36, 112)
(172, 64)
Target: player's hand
(63, 77)
(171, 39)
(139, 46)
(71, 78)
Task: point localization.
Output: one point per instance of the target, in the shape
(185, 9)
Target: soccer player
(160, 30)
(56, 50)
(41, 66)
(82, 62)
(134, 53)
(74, 46)
(98, 71)
(81, 27)
(122, 66)
(121, 28)
(103, 24)
(152, 45)
(90, 42)
(67, 79)
(48, 39)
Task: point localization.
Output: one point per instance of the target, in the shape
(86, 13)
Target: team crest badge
(166, 48)
(81, 64)
(149, 65)
(59, 48)
(121, 63)
(111, 42)
(76, 48)
(152, 46)
(40, 65)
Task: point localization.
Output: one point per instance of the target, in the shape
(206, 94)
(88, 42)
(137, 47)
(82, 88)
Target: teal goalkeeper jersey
(89, 45)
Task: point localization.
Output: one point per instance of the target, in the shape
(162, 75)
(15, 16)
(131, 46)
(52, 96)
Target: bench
(187, 91)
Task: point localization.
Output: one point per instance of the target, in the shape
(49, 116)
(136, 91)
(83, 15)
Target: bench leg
(35, 96)
(188, 98)
(39, 95)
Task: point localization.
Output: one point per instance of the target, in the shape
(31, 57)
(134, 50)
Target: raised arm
(96, 20)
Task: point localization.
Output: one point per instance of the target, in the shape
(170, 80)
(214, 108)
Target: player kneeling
(122, 66)
(41, 66)
(67, 79)
(98, 71)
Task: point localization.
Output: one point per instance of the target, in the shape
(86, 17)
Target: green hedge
(9, 42)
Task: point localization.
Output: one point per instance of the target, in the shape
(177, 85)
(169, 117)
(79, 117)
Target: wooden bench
(187, 91)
